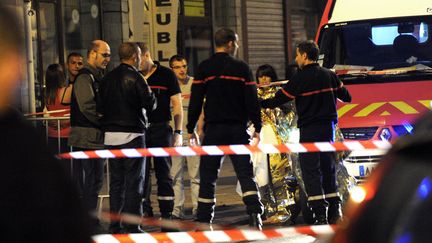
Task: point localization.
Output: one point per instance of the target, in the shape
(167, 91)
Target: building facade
(268, 31)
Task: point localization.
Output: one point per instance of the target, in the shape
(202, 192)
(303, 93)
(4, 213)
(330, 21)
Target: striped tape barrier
(277, 83)
(165, 223)
(307, 234)
(229, 149)
(46, 112)
(196, 232)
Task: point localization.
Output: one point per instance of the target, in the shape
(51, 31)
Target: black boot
(334, 212)
(320, 214)
(147, 209)
(167, 216)
(255, 221)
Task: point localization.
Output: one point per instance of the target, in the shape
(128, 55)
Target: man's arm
(288, 92)
(177, 113)
(195, 103)
(343, 94)
(86, 98)
(200, 126)
(145, 95)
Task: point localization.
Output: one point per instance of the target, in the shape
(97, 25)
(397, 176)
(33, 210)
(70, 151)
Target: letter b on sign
(163, 37)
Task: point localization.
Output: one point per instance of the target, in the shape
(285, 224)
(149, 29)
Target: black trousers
(126, 182)
(225, 134)
(160, 135)
(318, 169)
(91, 179)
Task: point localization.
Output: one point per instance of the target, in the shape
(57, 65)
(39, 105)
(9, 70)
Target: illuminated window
(385, 34)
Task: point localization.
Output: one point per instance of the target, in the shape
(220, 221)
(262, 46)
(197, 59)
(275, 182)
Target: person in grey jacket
(85, 128)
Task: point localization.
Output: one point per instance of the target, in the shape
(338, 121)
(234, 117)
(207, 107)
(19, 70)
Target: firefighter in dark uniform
(315, 90)
(231, 101)
(164, 84)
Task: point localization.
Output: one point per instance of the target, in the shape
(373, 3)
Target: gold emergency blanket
(281, 196)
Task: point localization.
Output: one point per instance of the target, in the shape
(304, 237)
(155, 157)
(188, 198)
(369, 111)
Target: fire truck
(382, 52)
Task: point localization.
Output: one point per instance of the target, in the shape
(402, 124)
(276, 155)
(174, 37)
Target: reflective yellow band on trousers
(165, 198)
(318, 197)
(206, 200)
(249, 193)
(334, 194)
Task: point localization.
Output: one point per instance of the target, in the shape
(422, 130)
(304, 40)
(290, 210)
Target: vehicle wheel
(307, 213)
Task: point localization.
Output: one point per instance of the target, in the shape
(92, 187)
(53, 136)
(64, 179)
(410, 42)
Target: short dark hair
(127, 50)
(10, 31)
(310, 48)
(223, 36)
(73, 54)
(143, 46)
(266, 70)
(175, 58)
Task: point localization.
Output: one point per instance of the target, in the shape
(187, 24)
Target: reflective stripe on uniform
(334, 194)
(249, 193)
(317, 197)
(165, 198)
(207, 200)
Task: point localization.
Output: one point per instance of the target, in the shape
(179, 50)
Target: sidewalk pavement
(230, 209)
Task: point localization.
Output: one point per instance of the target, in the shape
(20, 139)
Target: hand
(193, 139)
(255, 139)
(177, 140)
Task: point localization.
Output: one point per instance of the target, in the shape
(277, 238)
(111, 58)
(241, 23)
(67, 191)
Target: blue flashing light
(408, 127)
(424, 188)
(405, 238)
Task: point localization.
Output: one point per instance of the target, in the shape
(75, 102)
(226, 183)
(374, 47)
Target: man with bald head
(85, 127)
(125, 101)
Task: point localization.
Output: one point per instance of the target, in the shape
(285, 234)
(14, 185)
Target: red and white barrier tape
(46, 112)
(221, 236)
(229, 149)
(165, 223)
(277, 83)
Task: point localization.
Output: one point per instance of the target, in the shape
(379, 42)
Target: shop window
(195, 32)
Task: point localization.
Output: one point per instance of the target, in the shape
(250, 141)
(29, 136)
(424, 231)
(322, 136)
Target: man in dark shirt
(38, 202)
(231, 101)
(164, 85)
(315, 90)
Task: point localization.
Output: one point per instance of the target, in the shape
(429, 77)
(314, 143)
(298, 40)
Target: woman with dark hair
(266, 74)
(57, 97)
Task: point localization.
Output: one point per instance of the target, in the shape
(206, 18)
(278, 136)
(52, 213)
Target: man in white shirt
(179, 65)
